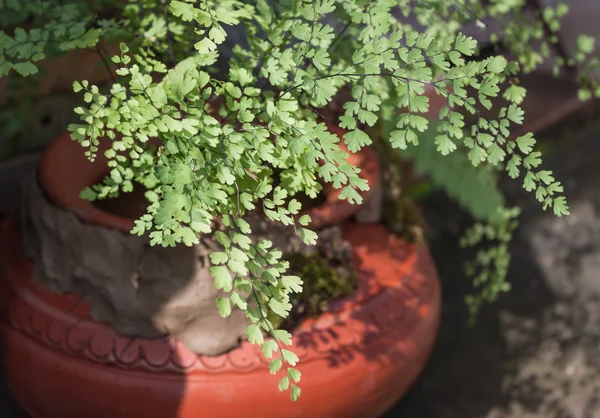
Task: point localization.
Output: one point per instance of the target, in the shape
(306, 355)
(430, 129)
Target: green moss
(324, 280)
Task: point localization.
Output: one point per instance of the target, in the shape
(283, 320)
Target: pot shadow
(466, 372)
(390, 318)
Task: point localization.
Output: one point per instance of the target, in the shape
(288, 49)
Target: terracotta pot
(63, 185)
(357, 359)
(12, 173)
(53, 101)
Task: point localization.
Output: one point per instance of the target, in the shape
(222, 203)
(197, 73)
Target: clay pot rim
(63, 185)
(398, 272)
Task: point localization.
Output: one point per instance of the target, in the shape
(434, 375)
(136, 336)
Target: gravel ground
(534, 354)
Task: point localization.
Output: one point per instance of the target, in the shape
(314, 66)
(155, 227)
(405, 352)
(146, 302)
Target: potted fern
(160, 257)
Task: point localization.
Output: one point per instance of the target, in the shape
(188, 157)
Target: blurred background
(535, 352)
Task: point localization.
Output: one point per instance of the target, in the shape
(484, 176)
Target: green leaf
(321, 59)
(465, 44)
(183, 10)
(280, 308)
(243, 225)
(560, 206)
(294, 374)
(350, 194)
(526, 143)
(532, 160)
(283, 336)
(224, 307)
(304, 220)
(301, 31)
(372, 102)
(205, 46)
(185, 175)
(25, 68)
(545, 176)
(284, 383)
(477, 155)
(400, 138)
(289, 357)
(529, 182)
(238, 301)
(88, 194)
(222, 278)
(294, 206)
(233, 91)
(444, 144)
(268, 348)
(254, 334)
(237, 266)
(218, 258)
(265, 10)
(296, 392)
(497, 64)
(292, 283)
(585, 43)
(223, 239)
(241, 240)
(347, 122)
(485, 139)
(310, 237)
(275, 365)
(187, 236)
(515, 94)
(419, 123)
(190, 126)
(513, 167)
(366, 117)
(356, 139)
(246, 201)
(217, 34)
(495, 154)
(515, 114)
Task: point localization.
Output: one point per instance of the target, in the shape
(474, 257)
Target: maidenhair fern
(222, 135)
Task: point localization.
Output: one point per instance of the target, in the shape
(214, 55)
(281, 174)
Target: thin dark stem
(317, 112)
(339, 35)
(237, 188)
(342, 74)
(169, 34)
(103, 53)
(558, 46)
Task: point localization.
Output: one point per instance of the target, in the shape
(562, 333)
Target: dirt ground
(534, 354)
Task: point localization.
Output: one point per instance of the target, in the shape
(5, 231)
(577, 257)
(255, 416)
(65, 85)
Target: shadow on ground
(534, 353)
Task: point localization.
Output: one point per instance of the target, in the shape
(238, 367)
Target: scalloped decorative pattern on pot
(379, 336)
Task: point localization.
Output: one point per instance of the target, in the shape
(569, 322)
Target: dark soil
(307, 202)
(129, 205)
(327, 274)
(133, 204)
